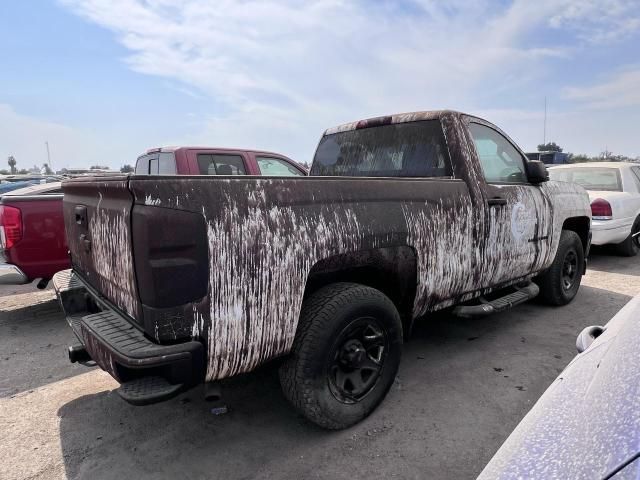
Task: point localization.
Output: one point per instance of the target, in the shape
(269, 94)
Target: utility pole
(544, 130)
(49, 156)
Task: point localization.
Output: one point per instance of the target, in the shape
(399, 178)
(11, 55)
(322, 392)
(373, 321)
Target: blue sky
(103, 80)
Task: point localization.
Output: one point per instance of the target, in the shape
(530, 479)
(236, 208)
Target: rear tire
(630, 247)
(560, 283)
(345, 355)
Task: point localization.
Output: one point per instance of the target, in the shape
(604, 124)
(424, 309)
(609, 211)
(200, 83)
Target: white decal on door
(521, 221)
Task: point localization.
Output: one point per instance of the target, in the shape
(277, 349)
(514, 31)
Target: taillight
(10, 226)
(601, 209)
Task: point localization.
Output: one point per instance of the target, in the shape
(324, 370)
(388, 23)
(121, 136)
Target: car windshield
(591, 178)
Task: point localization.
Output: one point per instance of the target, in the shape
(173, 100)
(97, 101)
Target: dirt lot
(463, 386)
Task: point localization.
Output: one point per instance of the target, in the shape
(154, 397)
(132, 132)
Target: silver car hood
(587, 423)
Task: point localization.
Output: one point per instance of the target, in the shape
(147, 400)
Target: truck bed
(261, 239)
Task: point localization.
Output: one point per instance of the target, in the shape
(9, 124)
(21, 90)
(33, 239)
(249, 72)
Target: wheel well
(580, 225)
(391, 270)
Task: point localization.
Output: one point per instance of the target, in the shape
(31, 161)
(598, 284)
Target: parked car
(32, 238)
(587, 423)
(183, 280)
(215, 161)
(9, 183)
(614, 190)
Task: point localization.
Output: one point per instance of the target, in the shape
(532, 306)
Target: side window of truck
(220, 164)
(163, 163)
(501, 162)
(167, 164)
(411, 149)
(270, 166)
(142, 165)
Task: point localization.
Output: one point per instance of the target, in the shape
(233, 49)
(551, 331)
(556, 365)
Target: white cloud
(599, 21)
(324, 53)
(285, 70)
(619, 90)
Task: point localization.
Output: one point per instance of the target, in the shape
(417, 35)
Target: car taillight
(601, 209)
(10, 226)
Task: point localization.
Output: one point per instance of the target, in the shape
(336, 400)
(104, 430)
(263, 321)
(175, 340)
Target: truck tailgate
(97, 215)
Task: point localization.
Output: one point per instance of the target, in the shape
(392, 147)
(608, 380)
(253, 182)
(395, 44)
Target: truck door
(512, 209)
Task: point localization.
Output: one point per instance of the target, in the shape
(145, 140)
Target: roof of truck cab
(174, 148)
(396, 118)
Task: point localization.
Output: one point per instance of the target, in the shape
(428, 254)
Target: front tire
(559, 284)
(345, 355)
(631, 245)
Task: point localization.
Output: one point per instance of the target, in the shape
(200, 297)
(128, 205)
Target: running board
(487, 307)
(148, 390)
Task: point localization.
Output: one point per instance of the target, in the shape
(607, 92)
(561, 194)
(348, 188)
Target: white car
(614, 191)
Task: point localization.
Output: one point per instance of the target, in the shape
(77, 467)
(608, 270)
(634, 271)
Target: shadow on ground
(462, 387)
(33, 344)
(607, 259)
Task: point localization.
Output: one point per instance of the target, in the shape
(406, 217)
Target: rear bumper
(610, 231)
(12, 275)
(118, 346)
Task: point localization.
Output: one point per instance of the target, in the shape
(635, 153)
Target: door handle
(496, 201)
(81, 215)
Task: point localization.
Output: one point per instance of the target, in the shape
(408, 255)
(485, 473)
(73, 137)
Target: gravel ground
(463, 386)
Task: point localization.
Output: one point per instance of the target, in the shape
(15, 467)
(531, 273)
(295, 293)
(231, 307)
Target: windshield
(590, 178)
(414, 149)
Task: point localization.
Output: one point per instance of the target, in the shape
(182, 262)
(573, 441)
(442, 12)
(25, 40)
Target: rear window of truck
(412, 149)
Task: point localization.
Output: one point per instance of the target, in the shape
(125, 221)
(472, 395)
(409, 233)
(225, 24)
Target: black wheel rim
(357, 359)
(569, 269)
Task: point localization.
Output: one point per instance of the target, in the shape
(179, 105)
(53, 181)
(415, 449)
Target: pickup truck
(215, 161)
(178, 281)
(32, 238)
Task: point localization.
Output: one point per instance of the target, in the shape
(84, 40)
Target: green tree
(24, 171)
(12, 163)
(126, 168)
(4, 171)
(579, 158)
(47, 169)
(549, 147)
(98, 167)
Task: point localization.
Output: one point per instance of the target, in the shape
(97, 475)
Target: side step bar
(148, 390)
(487, 307)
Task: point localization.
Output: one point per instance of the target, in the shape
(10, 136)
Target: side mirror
(537, 171)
